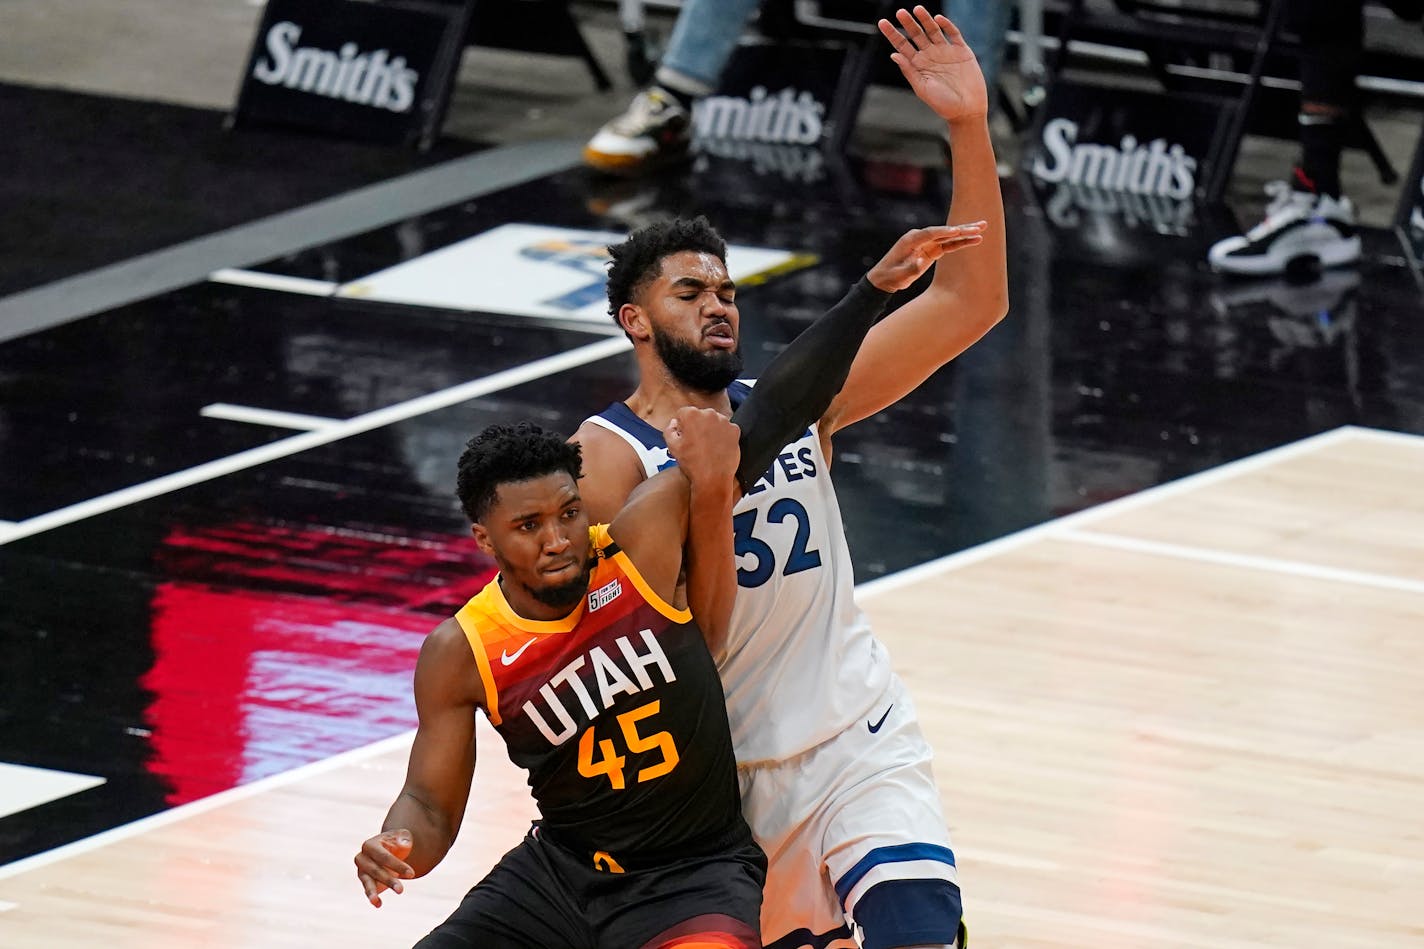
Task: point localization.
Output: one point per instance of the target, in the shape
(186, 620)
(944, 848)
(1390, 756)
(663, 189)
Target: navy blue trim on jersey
(738, 392)
(896, 854)
(909, 913)
(625, 418)
(619, 414)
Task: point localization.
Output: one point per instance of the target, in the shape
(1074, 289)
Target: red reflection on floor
(250, 683)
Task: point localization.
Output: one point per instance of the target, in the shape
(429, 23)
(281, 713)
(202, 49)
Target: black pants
(541, 896)
(1332, 34)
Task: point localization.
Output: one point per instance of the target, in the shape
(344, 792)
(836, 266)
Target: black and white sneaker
(654, 131)
(1302, 232)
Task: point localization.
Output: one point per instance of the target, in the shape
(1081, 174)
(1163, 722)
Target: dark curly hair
(638, 260)
(504, 453)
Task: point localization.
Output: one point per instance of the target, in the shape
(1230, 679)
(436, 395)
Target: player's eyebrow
(680, 282)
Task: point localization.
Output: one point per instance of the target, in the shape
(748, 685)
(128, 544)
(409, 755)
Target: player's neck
(656, 399)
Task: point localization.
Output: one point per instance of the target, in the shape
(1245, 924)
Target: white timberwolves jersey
(801, 664)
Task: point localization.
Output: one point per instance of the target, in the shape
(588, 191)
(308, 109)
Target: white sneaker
(654, 131)
(1301, 232)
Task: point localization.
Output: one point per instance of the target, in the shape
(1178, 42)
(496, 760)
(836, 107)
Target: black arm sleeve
(801, 381)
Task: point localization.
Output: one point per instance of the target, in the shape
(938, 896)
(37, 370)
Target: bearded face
(699, 368)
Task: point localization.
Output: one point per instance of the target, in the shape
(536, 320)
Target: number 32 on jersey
(763, 559)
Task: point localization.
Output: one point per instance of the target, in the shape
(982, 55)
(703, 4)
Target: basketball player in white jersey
(834, 771)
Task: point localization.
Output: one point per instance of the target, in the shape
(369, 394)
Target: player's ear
(482, 539)
(635, 322)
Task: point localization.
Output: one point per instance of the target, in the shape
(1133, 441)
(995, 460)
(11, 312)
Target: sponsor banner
(1124, 140)
(1410, 218)
(375, 71)
(772, 93)
(1122, 167)
(532, 270)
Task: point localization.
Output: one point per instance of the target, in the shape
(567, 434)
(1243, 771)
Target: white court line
(6, 907)
(297, 443)
(1295, 568)
(202, 805)
(1380, 435)
(246, 413)
(272, 281)
(1048, 529)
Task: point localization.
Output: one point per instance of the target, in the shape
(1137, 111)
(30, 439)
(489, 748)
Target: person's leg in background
(1332, 40)
(984, 25)
(656, 128)
(1310, 222)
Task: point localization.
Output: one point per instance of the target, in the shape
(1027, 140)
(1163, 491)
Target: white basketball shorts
(853, 829)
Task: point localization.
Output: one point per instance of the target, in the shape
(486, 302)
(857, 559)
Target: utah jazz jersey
(617, 714)
(801, 663)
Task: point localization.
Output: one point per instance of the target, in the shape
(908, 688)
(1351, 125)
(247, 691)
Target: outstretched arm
(968, 293)
(805, 377)
(422, 823)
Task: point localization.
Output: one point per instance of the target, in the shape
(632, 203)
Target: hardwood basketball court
(1190, 717)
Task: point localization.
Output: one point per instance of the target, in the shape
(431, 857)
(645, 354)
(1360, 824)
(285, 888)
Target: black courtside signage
(377, 71)
(1124, 140)
(1136, 160)
(774, 94)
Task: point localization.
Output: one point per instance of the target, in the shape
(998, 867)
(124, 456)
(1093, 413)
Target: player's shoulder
(445, 640)
(447, 671)
(596, 437)
(611, 470)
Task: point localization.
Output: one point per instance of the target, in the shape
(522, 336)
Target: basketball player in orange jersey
(584, 657)
(835, 772)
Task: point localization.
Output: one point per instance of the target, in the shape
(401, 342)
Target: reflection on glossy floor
(1154, 727)
(226, 520)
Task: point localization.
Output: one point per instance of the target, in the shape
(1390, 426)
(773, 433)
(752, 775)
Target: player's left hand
(917, 250)
(937, 63)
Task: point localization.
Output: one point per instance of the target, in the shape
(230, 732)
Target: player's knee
(708, 932)
(904, 913)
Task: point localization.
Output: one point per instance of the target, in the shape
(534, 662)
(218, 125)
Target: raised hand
(917, 250)
(938, 64)
(381, 864)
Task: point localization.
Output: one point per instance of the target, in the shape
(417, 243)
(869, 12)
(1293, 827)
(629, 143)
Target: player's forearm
(711, 561)
(801, 381)
(977, 276)
(431, 833)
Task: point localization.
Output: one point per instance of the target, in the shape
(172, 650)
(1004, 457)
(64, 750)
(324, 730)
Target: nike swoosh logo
(507, 659)
(876, 726)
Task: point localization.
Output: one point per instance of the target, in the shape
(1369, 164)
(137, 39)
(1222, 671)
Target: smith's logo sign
(1152, 168)
(374, 78)
(789, 117)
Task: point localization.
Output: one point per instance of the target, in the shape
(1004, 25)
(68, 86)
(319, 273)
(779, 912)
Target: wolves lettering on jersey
(801, 664)
(616, 713)
(789, 465)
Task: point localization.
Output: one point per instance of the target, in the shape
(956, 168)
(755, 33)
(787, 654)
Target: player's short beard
(698, 370)
(565, 595)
